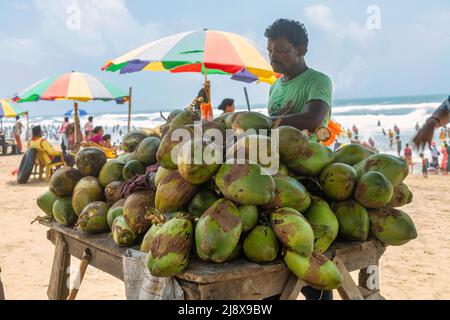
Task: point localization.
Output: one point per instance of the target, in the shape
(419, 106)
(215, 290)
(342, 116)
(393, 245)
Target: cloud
(105, 26)
(349, 73)
(322, 16)
(21, 50)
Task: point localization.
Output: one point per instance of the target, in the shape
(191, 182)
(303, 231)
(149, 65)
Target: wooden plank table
(239, 279)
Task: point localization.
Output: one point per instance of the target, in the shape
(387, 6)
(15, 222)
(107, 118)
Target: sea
(365, 113)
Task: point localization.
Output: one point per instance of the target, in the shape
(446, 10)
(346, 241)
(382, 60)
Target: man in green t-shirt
(302, 98)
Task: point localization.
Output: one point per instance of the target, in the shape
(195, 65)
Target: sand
(418, 270)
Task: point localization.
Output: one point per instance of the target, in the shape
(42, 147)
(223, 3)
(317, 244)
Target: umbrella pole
(207, 86)
(27, 135)
(75, 109)
(129, 108)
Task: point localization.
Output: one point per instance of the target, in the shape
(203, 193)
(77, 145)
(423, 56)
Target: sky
(368, 48)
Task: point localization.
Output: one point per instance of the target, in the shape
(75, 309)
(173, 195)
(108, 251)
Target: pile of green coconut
(219, 212)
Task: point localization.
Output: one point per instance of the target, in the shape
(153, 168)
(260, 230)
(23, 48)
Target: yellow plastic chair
(39, 164)
(110, 153)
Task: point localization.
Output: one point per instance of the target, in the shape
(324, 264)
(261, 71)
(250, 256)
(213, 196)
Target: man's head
(36, 132)
(91, 118)
(66, 119)
(407, 145)
(17, 117)
(287, 43)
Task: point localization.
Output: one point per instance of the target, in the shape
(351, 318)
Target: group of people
(437, 164)
(91, 134)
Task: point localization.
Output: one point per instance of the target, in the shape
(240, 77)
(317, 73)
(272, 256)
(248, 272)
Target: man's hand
(425, 134)
(311, 118)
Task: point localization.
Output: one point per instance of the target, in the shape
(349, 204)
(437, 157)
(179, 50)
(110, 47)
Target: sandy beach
(417, 270)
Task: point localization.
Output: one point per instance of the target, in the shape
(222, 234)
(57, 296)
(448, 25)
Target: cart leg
(2, 293)
(293, 288)
(348, 290)
(83, 266)
(58, 288)
(369, 281)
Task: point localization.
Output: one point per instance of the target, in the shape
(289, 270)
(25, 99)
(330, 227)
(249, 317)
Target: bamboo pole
(129, 108)
(27, 135)
(75, 109)
(207, 86)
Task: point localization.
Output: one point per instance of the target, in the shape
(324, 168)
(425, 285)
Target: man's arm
(311, 119)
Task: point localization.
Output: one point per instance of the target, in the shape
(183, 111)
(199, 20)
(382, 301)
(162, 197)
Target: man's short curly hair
(294, 31)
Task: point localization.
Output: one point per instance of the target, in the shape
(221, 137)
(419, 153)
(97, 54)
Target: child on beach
(408, 156)
(444, 157)
(424, 166)
(391, 138)
(107, 142)
(399, 145)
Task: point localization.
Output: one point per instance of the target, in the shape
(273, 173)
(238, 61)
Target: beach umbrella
(204, 51)
(75, 86)
(81, 113)
(9, 109)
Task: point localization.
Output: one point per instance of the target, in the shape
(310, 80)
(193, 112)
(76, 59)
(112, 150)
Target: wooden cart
(234, 280)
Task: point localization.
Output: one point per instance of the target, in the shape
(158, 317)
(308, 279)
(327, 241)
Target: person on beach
(434, 155)
(302, 97)
(443, 135)
(391, 138)
(383, 131)
(63, 132)
(408, 157)
(398, 142)
(379, 123)
(440, 118)
(424, 166)
(89, 128)
(349, 134)
(227, 105)
(97, 137)
(371, 142)
(50, 155)
(337, 145)
(447, 167)
(417, 126)
(17, 133)
(107, 142)
(356, 140)
(397, 130)
(444, 156)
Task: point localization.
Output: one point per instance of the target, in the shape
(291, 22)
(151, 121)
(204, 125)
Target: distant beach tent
(8, 109)
(71, 113)
(203, 51)
(75, 86)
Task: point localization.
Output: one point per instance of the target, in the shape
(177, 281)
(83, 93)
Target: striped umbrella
(74, 86)
(205, 51)
(9, 109)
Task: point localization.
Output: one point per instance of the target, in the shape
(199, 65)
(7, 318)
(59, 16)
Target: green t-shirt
(310, 85)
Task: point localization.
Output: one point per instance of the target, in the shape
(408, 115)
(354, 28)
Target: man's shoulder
(319, 76)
